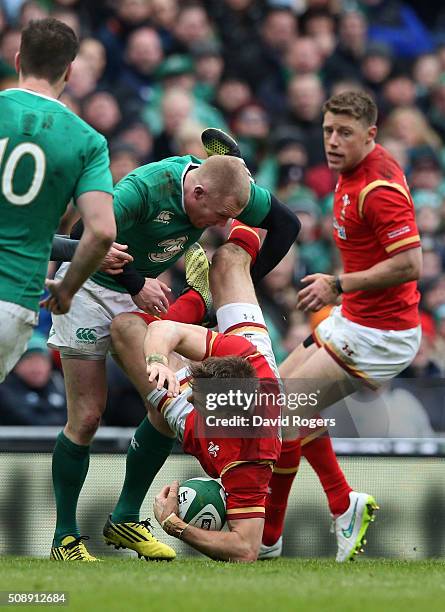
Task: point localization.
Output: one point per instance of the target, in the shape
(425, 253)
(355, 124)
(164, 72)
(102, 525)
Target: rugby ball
(202, 503)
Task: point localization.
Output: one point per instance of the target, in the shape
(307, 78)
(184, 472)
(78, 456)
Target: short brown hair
(223, 375)
(47, 48)
(357, 104)
(231, 366)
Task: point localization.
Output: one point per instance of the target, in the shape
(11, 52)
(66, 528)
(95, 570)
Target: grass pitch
(195, 585)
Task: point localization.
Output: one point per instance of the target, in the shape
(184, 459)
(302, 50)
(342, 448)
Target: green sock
(70, 467)
(146, 455)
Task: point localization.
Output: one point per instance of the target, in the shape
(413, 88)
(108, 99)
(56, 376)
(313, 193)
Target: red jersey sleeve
(391, 215)
(219, 345)
(246, 489)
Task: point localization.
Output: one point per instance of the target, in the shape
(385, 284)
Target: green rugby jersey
(150, 216)
(48, 156)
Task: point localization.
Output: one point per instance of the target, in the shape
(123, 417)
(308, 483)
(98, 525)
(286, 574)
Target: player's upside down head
(234, 375)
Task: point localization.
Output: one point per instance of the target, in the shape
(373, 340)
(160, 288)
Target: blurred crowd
(151, 74)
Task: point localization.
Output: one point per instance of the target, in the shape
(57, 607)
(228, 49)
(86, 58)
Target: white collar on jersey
(34, 93)
(189, 166)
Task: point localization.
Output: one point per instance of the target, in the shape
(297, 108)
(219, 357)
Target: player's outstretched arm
(163, 337)
(96, 208)
(324, 289)
(64, 247)
(115, 261)
(240, 544)
(400, 268)
(149, 294)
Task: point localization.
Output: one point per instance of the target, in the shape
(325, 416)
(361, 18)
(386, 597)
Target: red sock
(321, 456)
(284, 472)
(246, 237)
(188, 308)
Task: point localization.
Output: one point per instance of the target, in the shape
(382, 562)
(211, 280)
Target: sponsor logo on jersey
(213, 449)
(399, 232)
(346, 202)
(170, 248)
(86, 335)
(134, 443)
(165, 216)
(341, 231)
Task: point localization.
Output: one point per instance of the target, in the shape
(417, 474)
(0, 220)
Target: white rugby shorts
(241, 315)
(84, 331)
(16, 327)
(176, 409)
(377, 355)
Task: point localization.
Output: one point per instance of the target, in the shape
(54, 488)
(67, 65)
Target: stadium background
(149, 76)
(409, 485)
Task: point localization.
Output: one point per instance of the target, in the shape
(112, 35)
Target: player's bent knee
(122, 324)
(228, 255)
(84, 427)
(227, 259)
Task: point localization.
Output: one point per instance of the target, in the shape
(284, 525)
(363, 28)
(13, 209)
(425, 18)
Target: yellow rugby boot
(137, 537)
(72, 549)
(197, 268)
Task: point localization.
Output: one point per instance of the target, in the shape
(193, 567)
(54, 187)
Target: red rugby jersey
(373, 220)
(244, 464)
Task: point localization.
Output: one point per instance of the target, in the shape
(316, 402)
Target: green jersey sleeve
(258, 206)
(96, 175)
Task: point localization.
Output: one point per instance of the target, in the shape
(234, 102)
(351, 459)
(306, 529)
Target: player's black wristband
(130, 279)
(282, 227)
(338, 286)
(63, 248)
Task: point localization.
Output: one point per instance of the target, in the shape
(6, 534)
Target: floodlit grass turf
(199, 585)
